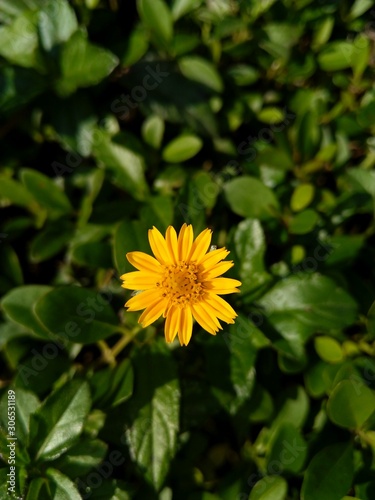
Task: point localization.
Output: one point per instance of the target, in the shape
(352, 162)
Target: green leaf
(153, 411)
(48, 194)
(19, 41)
(10, 269)
(58, 422)
(328, 349)
(61, 487)
(51, 240)
(19, 304)
(26, 403)
(182, 148)
(250, 247)
(15, 192)
(287, 449)
(371, 320)
(37, 489)
(88, 316)
(270, 488)
(91, 64)
(329, 474)
(82, 457)
(302, 197)
(336, 55)
(243, 74)
(350, 404)
(182, 7)
(57, 22)
(202, 71)
(153, 131)
(271, 115)
(249, 197)
(129, 236)
(157, 16)
(300, 305)
(112, 386)
(303, 222)
(95, 254)
(127, 165)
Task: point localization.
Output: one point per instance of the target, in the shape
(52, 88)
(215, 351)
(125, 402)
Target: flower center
(180, 284)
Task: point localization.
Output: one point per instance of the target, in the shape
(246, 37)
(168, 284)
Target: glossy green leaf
(58, 422)
(57, 22)
(351, 403)
(88, 315)
(62, 488)
(154, 412)
(301, 304)
(157, 16)
(48, 194)
(182, 148)
(329, 474)
(91, 64)
(249, 197)
(250, 247)
(19, 304)
(126, 165)
(202, 71)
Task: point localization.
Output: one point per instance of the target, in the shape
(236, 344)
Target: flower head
(181, 283)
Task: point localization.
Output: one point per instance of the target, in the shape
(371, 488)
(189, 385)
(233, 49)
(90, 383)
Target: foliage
(255, 119)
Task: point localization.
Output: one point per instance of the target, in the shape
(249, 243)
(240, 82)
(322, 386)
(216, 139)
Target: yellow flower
(181, 283)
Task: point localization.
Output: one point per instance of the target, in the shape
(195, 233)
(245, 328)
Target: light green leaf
(270, 488)
(91, 64)
(303, 222)
(57, 22)
(26, 403)
(15, 192)
(182, 148)
(202, 71)
(157, 16)
(328, 349)
(127, 166)
(153, 131)
(249, 197)
(302, 197)
(350, 404)
(58, 422)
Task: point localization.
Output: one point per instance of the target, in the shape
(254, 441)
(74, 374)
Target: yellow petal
(185, 241)
(171, 240)
(222, 305)
(143, 299)
(212, 258)
(142, 261)
(200, 316)
(139, 280)
(222, 285)
(185, 328)
(201, 245)
(171, 324)
(222, 314)
(217, 270)
(159, 246)
(152, 313)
